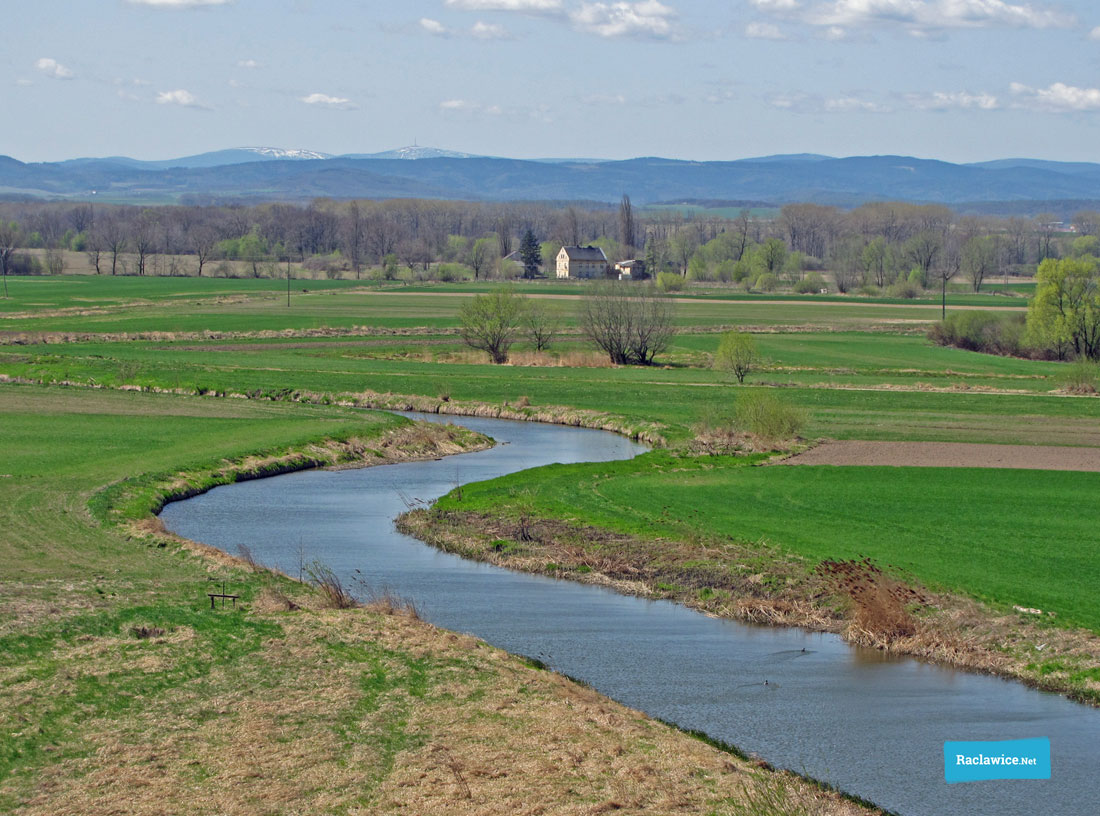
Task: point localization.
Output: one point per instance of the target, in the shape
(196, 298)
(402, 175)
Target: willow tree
(1064, 315)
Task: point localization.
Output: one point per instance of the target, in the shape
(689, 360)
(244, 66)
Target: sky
(958, 80)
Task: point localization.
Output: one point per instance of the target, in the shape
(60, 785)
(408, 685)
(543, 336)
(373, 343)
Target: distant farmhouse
(631, 270)
(581, 262)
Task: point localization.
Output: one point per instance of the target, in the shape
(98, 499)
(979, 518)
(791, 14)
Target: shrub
(24, 263)
(987, 332)
(334, 262)
(336, 595)
(767, 282)
(669, 282)
(903, 288)
(1081, 377)
(811, 284)
(769, 417)
(727, 271)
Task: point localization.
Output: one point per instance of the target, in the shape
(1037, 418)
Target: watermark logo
(1007, 759)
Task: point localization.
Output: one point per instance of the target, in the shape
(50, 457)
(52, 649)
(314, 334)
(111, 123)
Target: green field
(91, 292)
(80, 456)
(853, 385)
(97, 304)
(958, 529)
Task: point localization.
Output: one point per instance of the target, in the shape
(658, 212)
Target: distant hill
(412, 152)
(275, 174)
(217, 158)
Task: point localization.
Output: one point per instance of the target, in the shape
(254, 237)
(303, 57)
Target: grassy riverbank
(123, 691)
(749, 541)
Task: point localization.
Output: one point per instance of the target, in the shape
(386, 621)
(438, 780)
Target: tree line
(878, 245)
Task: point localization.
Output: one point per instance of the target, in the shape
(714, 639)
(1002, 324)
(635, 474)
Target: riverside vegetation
(109, 395)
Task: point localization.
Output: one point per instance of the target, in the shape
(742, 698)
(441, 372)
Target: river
(871, 724)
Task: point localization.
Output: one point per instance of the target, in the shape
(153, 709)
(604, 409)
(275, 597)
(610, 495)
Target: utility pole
(288, 280)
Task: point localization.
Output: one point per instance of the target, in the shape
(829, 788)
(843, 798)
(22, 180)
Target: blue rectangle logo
(1006, 759)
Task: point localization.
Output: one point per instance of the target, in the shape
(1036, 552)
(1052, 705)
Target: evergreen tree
(530, 254)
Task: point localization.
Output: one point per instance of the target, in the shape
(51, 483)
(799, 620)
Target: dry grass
(650, 568)
(855, 599)
(880, 603)
(353, 712)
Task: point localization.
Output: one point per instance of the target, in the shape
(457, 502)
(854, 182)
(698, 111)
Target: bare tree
(112, 237)
(204, 237)
(10, 238)
(353, 237)
(541, 323)
(631, 324)
(948, 267)
(81, 217)
(144, 237)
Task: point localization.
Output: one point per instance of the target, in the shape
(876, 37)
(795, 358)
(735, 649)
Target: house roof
(588, 253)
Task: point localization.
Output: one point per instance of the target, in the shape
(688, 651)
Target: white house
(631, 270)
(581, 262)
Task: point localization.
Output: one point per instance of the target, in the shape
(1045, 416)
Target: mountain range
(252, 173)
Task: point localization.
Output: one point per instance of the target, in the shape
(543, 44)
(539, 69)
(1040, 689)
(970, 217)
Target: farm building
(631, 270)
(581, 262)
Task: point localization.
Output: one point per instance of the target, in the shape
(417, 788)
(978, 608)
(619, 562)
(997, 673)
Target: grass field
(959, 529)
(121, 691)
(81, 691)
(853, 385)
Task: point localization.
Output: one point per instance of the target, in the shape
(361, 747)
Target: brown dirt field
(950, 454)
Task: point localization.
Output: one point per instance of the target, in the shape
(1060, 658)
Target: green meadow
(983, 533)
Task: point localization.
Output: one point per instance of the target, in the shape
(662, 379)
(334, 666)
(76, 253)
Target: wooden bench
(223, 596)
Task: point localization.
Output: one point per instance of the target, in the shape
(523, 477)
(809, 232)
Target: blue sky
(961, 80)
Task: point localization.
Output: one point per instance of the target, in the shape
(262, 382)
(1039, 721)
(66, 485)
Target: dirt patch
(950, 454)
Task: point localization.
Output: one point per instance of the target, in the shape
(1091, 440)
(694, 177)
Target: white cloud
(179, 97)
(529, 6)
(248, 63)
(179, 4)
(953, 100)
(852, 104)
(649, 18)
(764, 31)
(470, 107)
(919, 17)
(477, 109)
(326, 101)
(53, 69)
(489, 31)
(1057, 98)
(809, 103)
(23, 83)
(433, 27)
(776, 5)
(602, 100)
(1095, 34)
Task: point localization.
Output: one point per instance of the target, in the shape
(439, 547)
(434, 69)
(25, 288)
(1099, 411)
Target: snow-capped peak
(283, 153)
